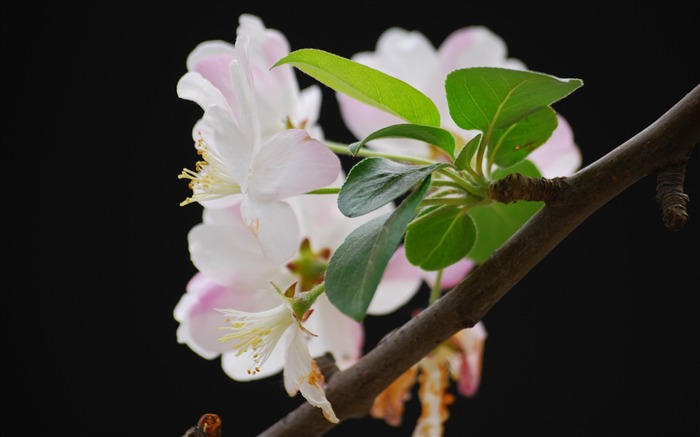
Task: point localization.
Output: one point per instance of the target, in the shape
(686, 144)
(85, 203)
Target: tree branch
(668, 141)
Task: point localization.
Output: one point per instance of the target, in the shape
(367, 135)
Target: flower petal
(400, 282)
(193, 86)
(451, 275)
(337, 333)
(274, 223)
(229, 254)
(302, 374)
(471, 342)
(212, 59)
(237, 367)
(475, 46)
(433, 395)
(389, 404)
(292, 163)
(559, 156)
(200, 322)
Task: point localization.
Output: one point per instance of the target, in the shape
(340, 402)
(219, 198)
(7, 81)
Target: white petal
(192, 86)
(275, 226)
(229, 253)
(337, 333)
(302, 374)
(231, 144)
(236, 367)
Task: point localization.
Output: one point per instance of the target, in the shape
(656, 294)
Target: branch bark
(668, 141)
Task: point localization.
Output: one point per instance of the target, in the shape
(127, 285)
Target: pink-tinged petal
(410, 57)
(337, 334)
(559, 156)
(471, 342)
(199, 320)
(275, 225)
(475, 46)
(451, 275)
(433, 395)
(194, 87)
(302, 374)
(237, 367)
(292, 163)
(362, 119)
(400, 282)
(389, 404)
(212, 60)
(208, 50)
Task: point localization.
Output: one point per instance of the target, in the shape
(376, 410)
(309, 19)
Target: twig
(670, 139)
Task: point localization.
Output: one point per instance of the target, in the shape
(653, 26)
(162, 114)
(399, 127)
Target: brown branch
(670, 139)
(670, 196)
(517, 186)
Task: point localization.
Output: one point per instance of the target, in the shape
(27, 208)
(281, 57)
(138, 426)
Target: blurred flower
(458, 359)
(411, 57)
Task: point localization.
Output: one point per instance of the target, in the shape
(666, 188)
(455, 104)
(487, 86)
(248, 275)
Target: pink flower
(411, 57)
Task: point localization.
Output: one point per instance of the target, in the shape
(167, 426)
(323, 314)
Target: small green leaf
(487, 98)
(432, 135)
(374, 182)
(440, 238)
(357, 266)
(496, 222)
(365, 84)
(467, 153)
(514, 143)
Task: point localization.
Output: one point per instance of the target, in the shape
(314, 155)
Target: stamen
(211, 179)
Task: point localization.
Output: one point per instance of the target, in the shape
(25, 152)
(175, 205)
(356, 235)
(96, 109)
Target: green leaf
(440, 238)
(432, 135)
(514, 143)
(365, 84)
(496, 222)
(465, 155)
(487, 98)
(374, 182)
(355, 269)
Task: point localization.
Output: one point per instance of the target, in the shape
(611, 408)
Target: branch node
(670, 196)
(517, 186)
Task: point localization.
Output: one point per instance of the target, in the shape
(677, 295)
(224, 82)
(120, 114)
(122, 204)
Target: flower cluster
(268, 184)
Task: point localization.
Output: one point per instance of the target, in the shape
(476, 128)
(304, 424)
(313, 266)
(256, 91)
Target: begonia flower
(255, 335)
(244, 163)
(234, 274)
(411, 57)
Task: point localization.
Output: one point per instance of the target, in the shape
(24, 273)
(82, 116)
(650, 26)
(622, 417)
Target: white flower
(234, 273)
(256, 335)
(252, 154)
(411, 57)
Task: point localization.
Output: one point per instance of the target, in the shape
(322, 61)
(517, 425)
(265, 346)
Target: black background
(601, 338)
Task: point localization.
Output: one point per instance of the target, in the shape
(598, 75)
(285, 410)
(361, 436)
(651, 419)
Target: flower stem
(342, 149)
